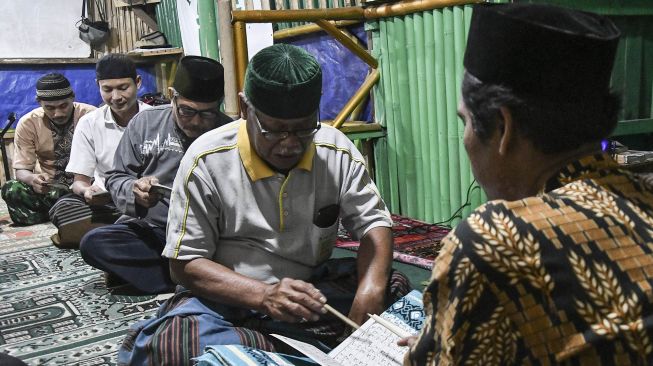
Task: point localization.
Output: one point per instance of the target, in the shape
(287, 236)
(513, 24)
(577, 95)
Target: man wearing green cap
(92, 152)
(148, 154)
(43, 136)
(253, 220)
(556, 268)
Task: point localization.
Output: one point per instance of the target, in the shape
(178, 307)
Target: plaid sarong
(73, 208)
(185, 324)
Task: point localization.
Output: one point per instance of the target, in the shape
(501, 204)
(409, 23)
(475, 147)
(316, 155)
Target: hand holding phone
(164, 191)
(98, 198)
(41, 183)
(58, 186)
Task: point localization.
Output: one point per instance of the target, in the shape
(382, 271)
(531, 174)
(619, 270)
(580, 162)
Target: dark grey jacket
(152, 145)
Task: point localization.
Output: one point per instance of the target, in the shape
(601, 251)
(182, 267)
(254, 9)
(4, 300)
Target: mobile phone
(164, 191)
(58, 186)
(101, 198)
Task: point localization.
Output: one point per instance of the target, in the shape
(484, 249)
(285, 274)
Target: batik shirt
(37, 139)
(564, 277)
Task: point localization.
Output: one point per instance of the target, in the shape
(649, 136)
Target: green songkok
(284, 81)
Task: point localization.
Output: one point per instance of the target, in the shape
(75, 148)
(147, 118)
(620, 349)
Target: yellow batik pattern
(562, 278)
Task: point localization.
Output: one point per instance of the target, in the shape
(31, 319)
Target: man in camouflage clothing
(43, 135)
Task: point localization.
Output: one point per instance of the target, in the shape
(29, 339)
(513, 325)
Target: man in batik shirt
(556, 267)
(43, 135)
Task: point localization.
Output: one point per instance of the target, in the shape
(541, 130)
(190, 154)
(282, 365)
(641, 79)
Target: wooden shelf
(360, 130)
(47, 61)
(124, 3)
(633, 127)
(139, 52)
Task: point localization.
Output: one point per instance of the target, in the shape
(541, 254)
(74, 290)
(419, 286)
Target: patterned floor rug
(415, 242)
(54, 308)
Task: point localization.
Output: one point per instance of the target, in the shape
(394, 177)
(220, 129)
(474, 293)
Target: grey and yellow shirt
(229, 206)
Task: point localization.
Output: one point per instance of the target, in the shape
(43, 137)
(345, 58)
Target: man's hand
(40, 183)
(407, 342)
(364, 303)
(374, 264)
(94, 200)
(293, 301)
(142, 193)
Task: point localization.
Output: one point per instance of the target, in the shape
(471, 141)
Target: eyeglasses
(188, 112)
(282, 135)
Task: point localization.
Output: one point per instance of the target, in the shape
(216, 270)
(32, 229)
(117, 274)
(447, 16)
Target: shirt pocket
(326, 239)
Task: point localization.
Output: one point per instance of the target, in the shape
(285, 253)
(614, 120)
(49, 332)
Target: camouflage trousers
(27, 207)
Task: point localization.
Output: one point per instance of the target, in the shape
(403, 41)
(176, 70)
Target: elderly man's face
(195, 118)
(58, 111)
(119, 94)
(480, 154)
(280, 142)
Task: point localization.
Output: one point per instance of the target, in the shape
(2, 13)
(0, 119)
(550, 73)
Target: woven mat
(54, 308)
(415, 242)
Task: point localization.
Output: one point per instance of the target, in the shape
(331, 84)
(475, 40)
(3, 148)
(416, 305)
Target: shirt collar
(108, 116)
(589, 167)
(255, 166)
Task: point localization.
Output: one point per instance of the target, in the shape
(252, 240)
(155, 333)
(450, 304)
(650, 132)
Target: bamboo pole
(451, 90)
(387, 30)
(379, 156)
(400, 92)
(226, 35)
(267, 16)
(347, 13)
(459, 52)
(422, 142)
(347, 42)
(240, 49)
(351, 36)
(356, 113)
(208, 30)
(478, 196)
(410, 119)
(441, 113)
(309, 28)
(357, 98)
(408, 7)
(167, 19)
(431, 134)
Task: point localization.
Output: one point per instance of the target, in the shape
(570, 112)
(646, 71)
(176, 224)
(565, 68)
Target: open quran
(372, 344)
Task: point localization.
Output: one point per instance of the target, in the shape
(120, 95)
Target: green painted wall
(166, 14)
(166, 17)
(422, 168)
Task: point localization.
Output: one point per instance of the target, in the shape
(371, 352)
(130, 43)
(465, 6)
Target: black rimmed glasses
(188, 112)
(282, 135)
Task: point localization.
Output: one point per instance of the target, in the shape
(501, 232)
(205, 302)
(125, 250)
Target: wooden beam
(146, 18)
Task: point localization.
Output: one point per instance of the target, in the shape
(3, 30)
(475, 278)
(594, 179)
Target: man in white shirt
(93, 147)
